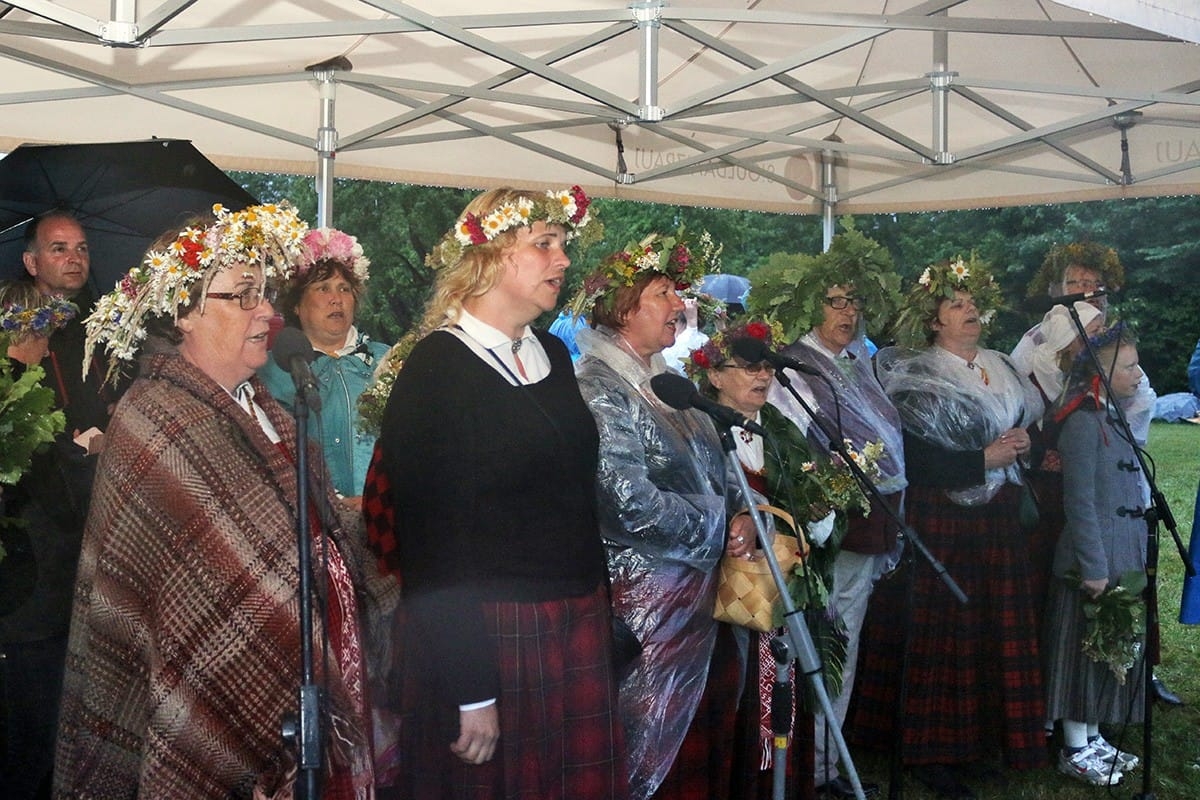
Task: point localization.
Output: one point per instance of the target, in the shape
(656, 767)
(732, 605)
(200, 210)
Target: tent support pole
(326, 145)
(648, 18)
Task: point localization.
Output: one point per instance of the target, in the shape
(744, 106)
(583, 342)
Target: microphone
(1040, 305)
(678, 392)
(753, 350)
(293, 352)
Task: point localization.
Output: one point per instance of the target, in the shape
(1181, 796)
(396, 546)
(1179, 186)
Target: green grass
(1175, 775)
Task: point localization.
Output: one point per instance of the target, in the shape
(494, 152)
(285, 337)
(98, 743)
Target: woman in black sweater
(490, 454)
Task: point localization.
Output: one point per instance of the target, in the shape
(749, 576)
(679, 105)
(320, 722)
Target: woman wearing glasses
(185, 642)
(321, 299)
(839, 296)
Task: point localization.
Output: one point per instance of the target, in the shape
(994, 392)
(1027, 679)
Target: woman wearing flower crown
(974, 679)
(185, 642)
(321, 298)
(41, 520)
(507, 681)
(665, 507)
(782, 471)
(1105, 497)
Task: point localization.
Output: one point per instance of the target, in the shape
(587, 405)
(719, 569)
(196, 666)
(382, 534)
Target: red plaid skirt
(975, 681)
(703, 767)
(560, 732)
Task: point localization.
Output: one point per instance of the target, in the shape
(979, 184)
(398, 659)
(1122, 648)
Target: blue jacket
(342, 379)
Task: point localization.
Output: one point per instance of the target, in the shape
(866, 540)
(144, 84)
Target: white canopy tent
(782, 105)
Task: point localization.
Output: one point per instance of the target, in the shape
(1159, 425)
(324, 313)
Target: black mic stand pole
(803, 649)
(1159, 511)
(837, 445)
(306, 736)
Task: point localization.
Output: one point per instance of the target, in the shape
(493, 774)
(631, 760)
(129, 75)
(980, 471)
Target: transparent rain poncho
(664, 490)
(948, 404)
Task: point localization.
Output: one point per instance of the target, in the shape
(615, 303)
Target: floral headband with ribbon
(270, 236)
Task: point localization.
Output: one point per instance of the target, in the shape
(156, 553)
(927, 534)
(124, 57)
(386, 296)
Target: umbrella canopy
(726, 288)
(125, 195)
(781, 105)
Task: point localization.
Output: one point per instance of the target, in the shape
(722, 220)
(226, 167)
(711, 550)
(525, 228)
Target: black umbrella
(125, 195)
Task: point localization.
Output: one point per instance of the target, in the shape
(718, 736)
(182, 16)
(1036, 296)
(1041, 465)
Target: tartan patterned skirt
(560, 731)
(703, 767)
(974, 677)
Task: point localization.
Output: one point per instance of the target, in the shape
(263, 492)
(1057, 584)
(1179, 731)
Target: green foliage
(1156, 239)
(791, 288)
(28, 419)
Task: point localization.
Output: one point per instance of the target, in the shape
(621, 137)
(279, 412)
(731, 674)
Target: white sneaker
(1087, 766)
(1124, 762)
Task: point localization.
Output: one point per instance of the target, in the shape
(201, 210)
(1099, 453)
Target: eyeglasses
(1083, 284)
(751, 369)
(250, 297)
(841, 302)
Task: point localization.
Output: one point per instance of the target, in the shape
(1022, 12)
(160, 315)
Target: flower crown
(719, 348)
(568, 208)
(330, 244)
(939, 282)
(268, 236)
(19, 322)
(674, 257)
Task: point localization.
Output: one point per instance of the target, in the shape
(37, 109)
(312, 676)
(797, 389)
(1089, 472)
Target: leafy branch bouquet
(836, 488)
(28, 419)
(373, 400)
(1116, 622)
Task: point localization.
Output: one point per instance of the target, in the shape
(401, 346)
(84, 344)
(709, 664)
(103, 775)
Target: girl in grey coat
(1105, 500)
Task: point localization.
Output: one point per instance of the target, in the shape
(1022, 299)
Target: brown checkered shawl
(184, 650)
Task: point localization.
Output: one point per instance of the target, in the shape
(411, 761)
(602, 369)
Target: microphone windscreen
(674, 390)
(291, 343)
(749, 349)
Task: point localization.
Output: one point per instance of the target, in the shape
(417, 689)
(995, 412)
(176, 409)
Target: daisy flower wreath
(939, 282)
(567, 207)
(268, 236)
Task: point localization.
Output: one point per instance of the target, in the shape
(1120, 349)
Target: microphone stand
(799, 638)
(306, 736)
(1158, 511)
(838, 445)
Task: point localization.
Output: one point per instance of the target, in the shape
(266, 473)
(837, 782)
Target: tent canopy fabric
(782, 105)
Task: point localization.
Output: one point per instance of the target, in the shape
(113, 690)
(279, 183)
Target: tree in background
(1157, 239)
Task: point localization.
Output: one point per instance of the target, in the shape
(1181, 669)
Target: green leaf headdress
(939, 282)
(790, 288)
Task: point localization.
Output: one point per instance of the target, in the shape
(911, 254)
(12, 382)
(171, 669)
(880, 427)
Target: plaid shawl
(184, 651)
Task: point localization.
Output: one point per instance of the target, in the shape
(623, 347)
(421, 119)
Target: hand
(1007, 448)
(353, 503)
(742, 537)
(479, 729)
(1094, 588)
